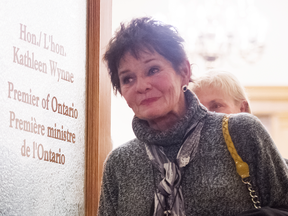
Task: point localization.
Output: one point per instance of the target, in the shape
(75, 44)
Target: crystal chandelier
(226, 27)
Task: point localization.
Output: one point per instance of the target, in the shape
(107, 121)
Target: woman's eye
(216, 106)
(153, 71)
(127, 80)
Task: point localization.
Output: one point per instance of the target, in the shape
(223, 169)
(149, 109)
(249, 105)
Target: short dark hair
(141, 34)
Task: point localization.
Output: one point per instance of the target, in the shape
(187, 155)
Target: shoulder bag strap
(241, 166)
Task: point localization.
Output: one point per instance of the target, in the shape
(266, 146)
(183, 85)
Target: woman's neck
(167, 121)
(163, 123)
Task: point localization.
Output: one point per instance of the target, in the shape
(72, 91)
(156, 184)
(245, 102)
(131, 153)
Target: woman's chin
(150, 116)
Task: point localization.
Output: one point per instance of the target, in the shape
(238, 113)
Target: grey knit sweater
(211, 185)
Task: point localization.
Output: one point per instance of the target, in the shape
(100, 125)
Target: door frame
(98, 122)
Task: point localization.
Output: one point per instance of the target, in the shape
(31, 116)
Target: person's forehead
(210, 89)
(143, 57)
(139, 53)
(213, 93)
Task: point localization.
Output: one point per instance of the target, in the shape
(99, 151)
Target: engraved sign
(43, 101)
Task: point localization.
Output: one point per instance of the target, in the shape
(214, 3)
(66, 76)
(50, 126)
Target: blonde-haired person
(221, 91)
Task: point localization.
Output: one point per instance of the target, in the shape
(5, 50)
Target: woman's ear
(185, 72)
(244, 106)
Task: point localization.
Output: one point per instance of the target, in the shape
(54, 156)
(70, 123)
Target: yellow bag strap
(241, 166)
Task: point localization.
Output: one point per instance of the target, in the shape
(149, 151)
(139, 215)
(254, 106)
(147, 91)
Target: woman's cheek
(130, 103)
(129, 99)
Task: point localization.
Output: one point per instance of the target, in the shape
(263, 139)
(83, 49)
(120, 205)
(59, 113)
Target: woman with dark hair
(179, 163)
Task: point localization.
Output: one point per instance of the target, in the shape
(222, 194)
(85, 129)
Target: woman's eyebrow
(215, 101)
(123, 72)
(149, 60)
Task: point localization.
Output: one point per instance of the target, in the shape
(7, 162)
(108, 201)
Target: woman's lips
(149, 101)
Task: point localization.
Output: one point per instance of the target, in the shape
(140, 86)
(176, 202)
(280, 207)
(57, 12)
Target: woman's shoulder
(250, 137)
(127, 151)
(238, 122)
(245, 123)
(126, 161)
(245, 119)
(239, 118)
(244, 128)
(213, 118)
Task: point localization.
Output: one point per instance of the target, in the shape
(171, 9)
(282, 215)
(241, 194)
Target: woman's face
(215, 99)
(151, 86)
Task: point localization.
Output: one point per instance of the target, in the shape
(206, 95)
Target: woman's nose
(143, 85)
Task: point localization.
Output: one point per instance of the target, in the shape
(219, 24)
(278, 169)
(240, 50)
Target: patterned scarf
(170, 187)
(169, 197)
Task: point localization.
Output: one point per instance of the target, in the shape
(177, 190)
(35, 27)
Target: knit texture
(211, 185)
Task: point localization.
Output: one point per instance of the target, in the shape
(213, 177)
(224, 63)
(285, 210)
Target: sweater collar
(175, 134)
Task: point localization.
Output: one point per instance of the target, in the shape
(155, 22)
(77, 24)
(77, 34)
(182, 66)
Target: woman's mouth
(149, 101)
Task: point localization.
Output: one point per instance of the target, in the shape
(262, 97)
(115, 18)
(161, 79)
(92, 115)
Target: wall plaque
(43, 101)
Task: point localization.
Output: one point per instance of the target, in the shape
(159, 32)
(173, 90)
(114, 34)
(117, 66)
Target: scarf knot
(171, 180)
